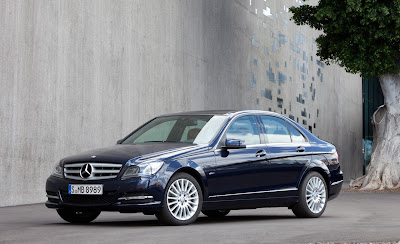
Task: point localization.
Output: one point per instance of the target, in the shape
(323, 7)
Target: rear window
(296, 135)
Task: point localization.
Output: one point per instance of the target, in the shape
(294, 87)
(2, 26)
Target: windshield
(194, 129)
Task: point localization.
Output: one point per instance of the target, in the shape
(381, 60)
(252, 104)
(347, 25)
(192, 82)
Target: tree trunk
(383, 172)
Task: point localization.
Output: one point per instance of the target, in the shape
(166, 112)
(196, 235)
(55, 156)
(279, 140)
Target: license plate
(85, 189)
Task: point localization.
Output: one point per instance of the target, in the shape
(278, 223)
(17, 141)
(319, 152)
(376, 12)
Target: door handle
(300, 149)
(261, 153)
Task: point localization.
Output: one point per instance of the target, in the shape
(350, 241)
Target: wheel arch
(323, 172)
(195, 174)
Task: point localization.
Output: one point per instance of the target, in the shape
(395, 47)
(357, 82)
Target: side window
(296, 135)
(244, 128)
(275, 129)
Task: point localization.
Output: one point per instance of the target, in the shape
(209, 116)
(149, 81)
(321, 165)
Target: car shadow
(200, 221)
(241, 218)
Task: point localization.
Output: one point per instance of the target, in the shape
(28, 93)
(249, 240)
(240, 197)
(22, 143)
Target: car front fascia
(153, 185)
(118, 187)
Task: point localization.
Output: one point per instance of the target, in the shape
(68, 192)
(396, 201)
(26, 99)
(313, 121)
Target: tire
(312, 196)
(216, 213)
(182, 202)
(78, 217)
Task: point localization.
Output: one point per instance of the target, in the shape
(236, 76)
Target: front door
(238, 170)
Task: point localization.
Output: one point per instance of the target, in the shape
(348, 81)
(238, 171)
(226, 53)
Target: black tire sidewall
(306, 212)
(165, 216)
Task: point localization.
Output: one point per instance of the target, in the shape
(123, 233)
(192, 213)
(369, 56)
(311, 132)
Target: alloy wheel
(182, 199)
(315, 194)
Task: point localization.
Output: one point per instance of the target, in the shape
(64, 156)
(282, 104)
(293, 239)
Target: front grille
(99, 171)
(88, 200)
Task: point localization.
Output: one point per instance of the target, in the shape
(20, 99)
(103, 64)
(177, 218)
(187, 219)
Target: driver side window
(244, 128)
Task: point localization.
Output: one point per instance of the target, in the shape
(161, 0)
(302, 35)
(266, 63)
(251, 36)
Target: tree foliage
(361, 35)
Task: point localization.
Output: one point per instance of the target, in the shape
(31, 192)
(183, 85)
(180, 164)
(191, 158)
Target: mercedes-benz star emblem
(86, 171)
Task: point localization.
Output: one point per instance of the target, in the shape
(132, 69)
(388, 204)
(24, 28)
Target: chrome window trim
(258, 113)
(288, 143)
(255, 192)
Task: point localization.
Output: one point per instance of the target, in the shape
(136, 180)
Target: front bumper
(139, 194)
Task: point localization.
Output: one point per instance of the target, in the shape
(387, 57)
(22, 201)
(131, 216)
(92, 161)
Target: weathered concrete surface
(76, 75)
(351, 218)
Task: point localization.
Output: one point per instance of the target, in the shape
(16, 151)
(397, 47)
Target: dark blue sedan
(176, 165)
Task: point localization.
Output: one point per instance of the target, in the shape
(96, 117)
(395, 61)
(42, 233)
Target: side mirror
(119, 141)
(234, 144)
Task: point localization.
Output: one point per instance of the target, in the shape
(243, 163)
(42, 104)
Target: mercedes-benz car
(178, 165)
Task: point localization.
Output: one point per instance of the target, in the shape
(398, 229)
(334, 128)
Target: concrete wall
(76, 75)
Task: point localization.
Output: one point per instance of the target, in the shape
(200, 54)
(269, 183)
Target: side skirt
(252, 203)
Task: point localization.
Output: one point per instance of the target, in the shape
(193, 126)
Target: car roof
(233, 113)
(202, 112)
(230, 113)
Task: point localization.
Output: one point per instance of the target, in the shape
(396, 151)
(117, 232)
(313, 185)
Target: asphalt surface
(352, 217)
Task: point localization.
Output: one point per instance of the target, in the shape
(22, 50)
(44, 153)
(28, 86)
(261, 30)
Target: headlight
(57, 170)
(143, 169)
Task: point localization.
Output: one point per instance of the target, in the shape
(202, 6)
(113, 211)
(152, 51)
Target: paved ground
(352, 217)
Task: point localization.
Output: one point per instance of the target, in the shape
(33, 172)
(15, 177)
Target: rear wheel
(74, 216)
(182, 201)
(312, 197)
(216, 213)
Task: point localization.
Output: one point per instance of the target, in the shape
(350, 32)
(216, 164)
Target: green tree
(363, 36)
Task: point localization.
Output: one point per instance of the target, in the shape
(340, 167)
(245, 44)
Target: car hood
(121, 153)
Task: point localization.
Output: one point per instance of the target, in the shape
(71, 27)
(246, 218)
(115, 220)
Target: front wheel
(182, 202)
(312, 197)
(78, 217)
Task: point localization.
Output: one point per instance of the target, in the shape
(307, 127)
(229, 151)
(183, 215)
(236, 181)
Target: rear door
(289, 152)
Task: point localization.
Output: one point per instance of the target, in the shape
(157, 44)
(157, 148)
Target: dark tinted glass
(197, 129)
(244, 128)
(296, 135)
(275, 129)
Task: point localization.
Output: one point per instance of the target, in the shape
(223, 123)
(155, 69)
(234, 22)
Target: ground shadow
(241, 218)
(200, 221)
